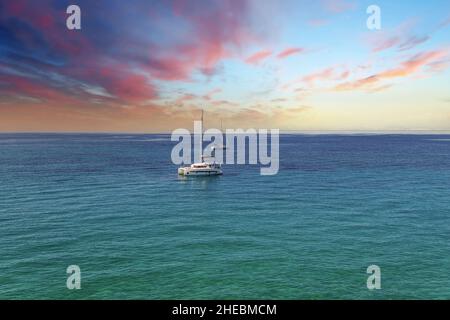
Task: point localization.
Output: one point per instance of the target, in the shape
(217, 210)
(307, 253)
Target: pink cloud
(354, 85)
(344, 75)
(171, 68)
(413, 64)
(258, 57)
(32, 89)
(381, 44)
(211, 33)
(132, 88)
(325, 74)
(400, 38)
(402, 43)
(289, 52)
(409, 67)
(215, 36)
(335, 73)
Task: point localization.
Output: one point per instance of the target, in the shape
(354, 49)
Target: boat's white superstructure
(203, 168)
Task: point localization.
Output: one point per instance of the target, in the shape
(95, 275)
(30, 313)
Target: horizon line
(398, 131)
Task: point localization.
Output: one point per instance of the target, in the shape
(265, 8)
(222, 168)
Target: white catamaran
(208, 166)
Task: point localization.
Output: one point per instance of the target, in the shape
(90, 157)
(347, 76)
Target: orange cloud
(361, 83)
(336, 73)
(413, 65)
(325, 74)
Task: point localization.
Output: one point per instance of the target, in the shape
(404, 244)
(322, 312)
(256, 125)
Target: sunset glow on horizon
(150, 66)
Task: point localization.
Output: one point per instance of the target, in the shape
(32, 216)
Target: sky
(151, 66)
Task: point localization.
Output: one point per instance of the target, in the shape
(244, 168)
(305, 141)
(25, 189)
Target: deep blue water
(114, 205)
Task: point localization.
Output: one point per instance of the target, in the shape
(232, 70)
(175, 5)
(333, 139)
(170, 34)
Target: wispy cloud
(414, 64)
(406, 68)
(401, 38)
(289, 52)
(257, 57)
(325, 74)
(444, 23)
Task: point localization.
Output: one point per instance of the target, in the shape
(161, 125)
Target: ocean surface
(114, 205)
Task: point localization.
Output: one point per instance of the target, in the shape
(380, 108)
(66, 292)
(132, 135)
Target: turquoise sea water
(114, 205)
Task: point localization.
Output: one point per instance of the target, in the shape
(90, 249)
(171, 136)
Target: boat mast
(201, 137)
